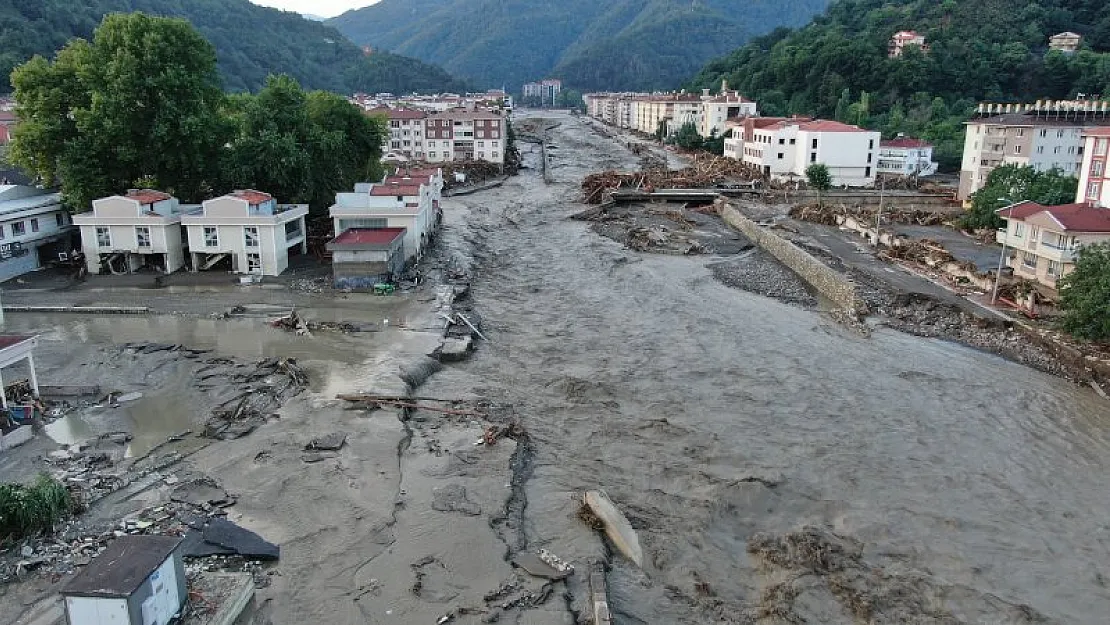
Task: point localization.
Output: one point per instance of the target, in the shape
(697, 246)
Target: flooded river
(710, 414)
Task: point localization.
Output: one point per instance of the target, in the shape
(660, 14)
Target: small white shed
(138, 580)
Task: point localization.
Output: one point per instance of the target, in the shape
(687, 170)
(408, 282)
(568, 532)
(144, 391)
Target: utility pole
(879, 213)
(1002, 256)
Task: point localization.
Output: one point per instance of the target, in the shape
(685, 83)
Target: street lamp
(1002, 256)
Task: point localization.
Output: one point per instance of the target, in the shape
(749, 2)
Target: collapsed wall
(828, 282)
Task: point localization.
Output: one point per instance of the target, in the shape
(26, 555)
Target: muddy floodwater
(710, 415)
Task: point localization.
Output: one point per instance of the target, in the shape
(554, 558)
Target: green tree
(714, 143)
(688, 138)
(1085, 294)
(820, 179)
(1010, 184)
(140, 101)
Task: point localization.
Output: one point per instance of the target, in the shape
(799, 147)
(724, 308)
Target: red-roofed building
(1046, 239)
(903, 38)
(406, 133)
(363, 257)
(246, 232)
(782, 148)
(906, 156)
(717, 110)
(125, 233)
(7, 122)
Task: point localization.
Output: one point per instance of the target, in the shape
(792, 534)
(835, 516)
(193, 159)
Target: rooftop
(819, 125)
(251, 196)
(1071, 217)
(8, 340)
(122, 567)
(367, 236)
(397, 113)
(386, 189)
(26, 198)
(147, 196)
(905, 142)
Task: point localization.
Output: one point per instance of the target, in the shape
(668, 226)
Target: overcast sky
(323, 8)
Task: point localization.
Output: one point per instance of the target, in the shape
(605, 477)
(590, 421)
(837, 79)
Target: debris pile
(828, 214)
(475, 172)
(264, 387)
(708, 171)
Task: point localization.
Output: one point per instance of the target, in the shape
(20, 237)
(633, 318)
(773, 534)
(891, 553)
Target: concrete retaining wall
(829, 282)
(16, 437)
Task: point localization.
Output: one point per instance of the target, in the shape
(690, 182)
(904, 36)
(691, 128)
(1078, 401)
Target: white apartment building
(1094, 177)
(409, 200)
(906, 156)
(784, 148)
(406, 133)
(125, 233)
(247, 232)
(34, 230)
(1044, 136)
(716, 110)
(457, 135)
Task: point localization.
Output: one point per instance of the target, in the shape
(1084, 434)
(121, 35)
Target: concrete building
(1045, 239)
(1044, 135)
(34, 230)
(137, 580)
(906, 156)
(458, 135)
(408, 200)
(542, 93)
(363, 257)
(406, 133)
(126, 233)
(1065, 42)
(783, 148)
(1094, 176)
(903, 38)
(717, 110)
(249, 230)
(7, 123)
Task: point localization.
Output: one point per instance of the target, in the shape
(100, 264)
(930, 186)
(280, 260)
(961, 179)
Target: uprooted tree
(1085, 294)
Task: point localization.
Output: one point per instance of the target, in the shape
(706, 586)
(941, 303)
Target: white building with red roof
(906, 156)
(126, 233)
(783, 148)
(1046, 239)
(406, 133)
(363, 257)
(716, 110)
(903, 38)
(246, 232)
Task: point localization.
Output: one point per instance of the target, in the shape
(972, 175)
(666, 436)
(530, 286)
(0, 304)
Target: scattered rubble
(828, 213)
(682, 229)
(706, 171)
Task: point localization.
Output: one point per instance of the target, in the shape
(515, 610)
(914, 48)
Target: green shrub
(27, 510)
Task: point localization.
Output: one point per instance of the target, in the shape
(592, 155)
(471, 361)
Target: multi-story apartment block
(1045, 240)
(903, 38)
(1065, 42)
(34, 229)
(451, 135)
(906, 156)
(408, 200)
(784, 148)
(647, 113)
(544, 92)
(1094, 177)
(1044, 136)
(717, 110)
(249, 230)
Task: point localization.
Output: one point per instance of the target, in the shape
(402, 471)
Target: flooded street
(975, 486)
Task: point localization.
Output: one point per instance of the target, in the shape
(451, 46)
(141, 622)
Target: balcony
(1060, 253)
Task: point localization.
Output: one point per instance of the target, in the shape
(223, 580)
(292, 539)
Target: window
(782, 141)
(1071, 149)
(868, 157)
(871, 144)
(1, 232)
(1100, 146)
(18, 228)
(867, 172)
(1092, 191)
(481, 154)
(1021, 132)
(1019, 229)
(34, 224)
(211, 236)
(813, 157)
(400, 198)
(1053, 270)
(496, 154)
(793, 141)
(431, 154)
(1029, 260)
(142, 236)
(492, 144)
(1040, 149)
(1044, 133)
(250, 236)
(1096, 168)
(815, 144)
(60, 218)
(254, 262)
(481, 144)
(1056, 150)
(394, 124)
(780, 156)
(1059, 134)
(103, 237)
(1017, 149)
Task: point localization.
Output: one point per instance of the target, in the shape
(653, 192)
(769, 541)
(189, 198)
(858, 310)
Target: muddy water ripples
(775, 464)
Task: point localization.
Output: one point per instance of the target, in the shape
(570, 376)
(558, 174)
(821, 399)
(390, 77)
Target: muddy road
(943, 484)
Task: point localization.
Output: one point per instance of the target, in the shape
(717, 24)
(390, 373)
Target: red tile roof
(8, 340)
(408, 179)
(147, 196)
(394, 189)
(824, 125)
(251, 196)
(7, 116)
(905, 142)
(1072, 217)
(1097, 132)
(367, 236)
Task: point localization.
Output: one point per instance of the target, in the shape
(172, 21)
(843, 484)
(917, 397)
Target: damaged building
(126, 233)
(247, 232)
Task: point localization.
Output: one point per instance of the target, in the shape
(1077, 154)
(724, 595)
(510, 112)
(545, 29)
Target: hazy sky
(323, 8)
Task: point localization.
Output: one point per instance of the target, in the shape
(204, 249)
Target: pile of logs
(827, 214)
(476, 171)
(707, 171)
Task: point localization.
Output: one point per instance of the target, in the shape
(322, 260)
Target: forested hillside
(624, 44)
(251, 42)
(977, 50)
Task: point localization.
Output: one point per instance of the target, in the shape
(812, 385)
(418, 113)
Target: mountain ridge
(624, 44)
(251, 42)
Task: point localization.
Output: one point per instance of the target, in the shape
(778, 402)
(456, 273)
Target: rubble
(706, 171)
(827, 214)
(328, 442)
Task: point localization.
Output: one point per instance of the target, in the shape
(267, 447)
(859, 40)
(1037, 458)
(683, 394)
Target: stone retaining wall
(827, 281)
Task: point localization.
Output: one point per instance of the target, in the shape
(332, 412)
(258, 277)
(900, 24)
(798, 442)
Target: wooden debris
(706, 171)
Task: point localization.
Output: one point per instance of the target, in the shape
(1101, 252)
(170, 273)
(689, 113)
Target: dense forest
(251, 43)
(838, 67)
(624, 44)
